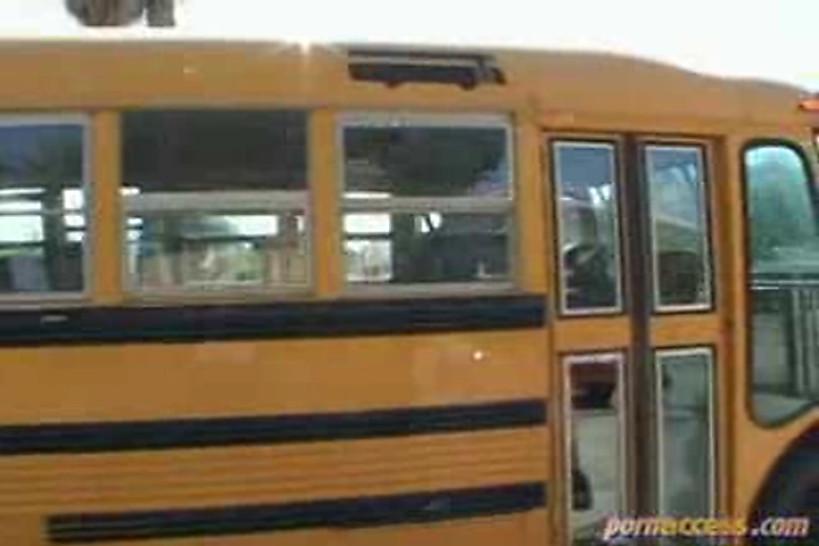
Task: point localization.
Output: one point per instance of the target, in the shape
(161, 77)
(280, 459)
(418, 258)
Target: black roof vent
(396, 67)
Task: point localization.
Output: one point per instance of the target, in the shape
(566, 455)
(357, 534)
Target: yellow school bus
(335, 295)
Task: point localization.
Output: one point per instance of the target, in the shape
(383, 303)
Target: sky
(768, 39)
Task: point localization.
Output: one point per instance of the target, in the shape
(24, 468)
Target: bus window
(596, 458)
(783, 282)
(685, 419)
(42, 207)
(215, 199)
(675, 177)
(586, 180)
(427, 200)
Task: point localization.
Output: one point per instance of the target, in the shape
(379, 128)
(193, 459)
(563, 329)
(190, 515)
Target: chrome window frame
(709, 354)
(84, 122)
(704, 219)
(221, 202)
(506, 206)
(590, 143)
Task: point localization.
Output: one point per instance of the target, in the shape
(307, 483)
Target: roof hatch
(394, 67)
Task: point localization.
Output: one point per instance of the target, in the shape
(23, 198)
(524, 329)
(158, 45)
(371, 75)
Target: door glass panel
(685, 421)
(596, 442)
(679, 229)
(784, 283)
(586, 186)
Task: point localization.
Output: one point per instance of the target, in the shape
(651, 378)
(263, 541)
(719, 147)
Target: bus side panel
(441, 438)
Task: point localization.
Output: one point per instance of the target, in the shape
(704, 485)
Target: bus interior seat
(680, 275)
(454, 257)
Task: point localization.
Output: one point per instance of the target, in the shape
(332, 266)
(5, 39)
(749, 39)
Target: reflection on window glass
(214, 150)
(426, 202)
(676, 186)
(784, 282)
(587, 199)
(215, 199)
(596, 440)
(685, 420)
(42, 216)
(426, 247)
(413, 161)
(211, 251)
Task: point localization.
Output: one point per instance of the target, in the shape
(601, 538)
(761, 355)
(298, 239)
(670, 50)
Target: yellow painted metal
(106, 219)
(270, 474)
(570, 89)
(159, 381)
(752, 449)
(327, 269)
(531, 245)
(547, 94)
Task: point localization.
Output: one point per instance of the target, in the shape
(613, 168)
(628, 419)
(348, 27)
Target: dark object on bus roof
(396, 67)
(119, 13)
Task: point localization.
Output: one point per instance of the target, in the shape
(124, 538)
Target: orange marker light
(811, 105)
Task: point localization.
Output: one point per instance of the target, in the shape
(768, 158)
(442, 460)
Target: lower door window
(596, 441)
(685, 422)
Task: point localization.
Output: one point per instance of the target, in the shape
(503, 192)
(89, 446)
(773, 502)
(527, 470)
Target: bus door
(636, 328)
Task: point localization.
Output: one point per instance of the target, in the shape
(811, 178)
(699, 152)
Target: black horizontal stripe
(169, 324)
(276, 429)
(345, 513)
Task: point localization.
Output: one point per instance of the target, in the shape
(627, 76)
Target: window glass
(784, 282)
(685, 420)
(417, 161)
(586, 180)
(430, 247)
(205, 250)
(426, 202)
(596, 442)
(679, 227)
(214, 150)
(42, 207)
(215, 199)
